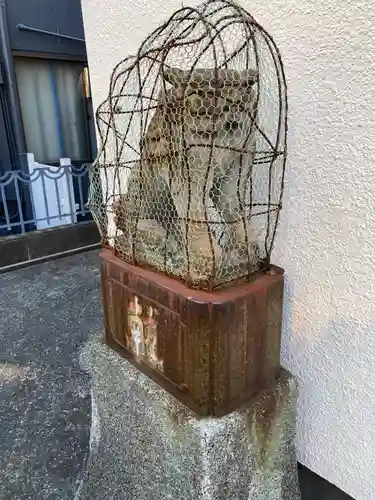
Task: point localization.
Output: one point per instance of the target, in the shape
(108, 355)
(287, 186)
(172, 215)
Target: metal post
(29, 210)
(11, 84)
(23, 27)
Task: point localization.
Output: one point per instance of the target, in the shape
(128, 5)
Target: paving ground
(46, 314)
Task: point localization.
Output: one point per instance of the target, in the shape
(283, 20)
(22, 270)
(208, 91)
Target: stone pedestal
(146, 445)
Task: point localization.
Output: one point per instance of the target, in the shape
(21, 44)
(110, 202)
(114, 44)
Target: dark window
(54, 97)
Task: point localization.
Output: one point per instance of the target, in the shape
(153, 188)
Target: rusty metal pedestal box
(212, 351)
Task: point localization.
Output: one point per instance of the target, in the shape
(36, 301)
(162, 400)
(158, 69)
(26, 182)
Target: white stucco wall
(326, 239)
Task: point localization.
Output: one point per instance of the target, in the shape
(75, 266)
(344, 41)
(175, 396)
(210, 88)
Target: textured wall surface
(326, 238)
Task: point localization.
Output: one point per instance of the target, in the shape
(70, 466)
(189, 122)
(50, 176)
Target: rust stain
(213, 351)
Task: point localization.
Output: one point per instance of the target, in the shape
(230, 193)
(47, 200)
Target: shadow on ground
(47, 313)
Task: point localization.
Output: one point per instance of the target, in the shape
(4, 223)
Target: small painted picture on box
(142, 334)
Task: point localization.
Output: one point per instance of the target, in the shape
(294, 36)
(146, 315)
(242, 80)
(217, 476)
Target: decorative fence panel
(46, 196)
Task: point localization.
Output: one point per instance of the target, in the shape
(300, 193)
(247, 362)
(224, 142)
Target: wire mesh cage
(189, 177)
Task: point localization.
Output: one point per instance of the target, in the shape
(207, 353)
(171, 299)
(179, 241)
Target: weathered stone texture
(147, 445)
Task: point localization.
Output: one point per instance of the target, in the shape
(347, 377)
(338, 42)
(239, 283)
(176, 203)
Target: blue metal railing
(47, 197)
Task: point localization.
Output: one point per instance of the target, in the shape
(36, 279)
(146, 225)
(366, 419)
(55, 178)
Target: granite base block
(146, 445)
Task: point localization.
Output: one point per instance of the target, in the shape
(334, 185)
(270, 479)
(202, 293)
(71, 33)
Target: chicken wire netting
(189, 176)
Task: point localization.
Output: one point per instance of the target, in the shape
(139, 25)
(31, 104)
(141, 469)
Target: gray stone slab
(147, 445)
(47, 314)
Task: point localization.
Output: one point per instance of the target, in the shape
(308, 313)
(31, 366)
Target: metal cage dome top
(190, 172)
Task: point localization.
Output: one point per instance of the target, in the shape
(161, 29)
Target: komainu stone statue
(197, 154)
(190, 173)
